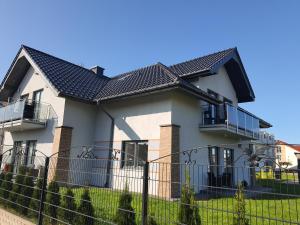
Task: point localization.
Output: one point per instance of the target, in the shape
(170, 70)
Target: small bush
(2, 177)
(188, 211)
(68, 203)
(17, 186)
(36, 196)
(240, 207)
(52, 201)
(125, 214)
(151, 221)
(6, 184)
(86, 210)
(26, 193)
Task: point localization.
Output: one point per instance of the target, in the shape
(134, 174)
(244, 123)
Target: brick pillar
(169, 167)
(59, 163)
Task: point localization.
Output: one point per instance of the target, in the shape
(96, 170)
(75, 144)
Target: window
(29, 154)
(134, 153)
(212, 109)
(228, 160)
(213, 158)
(37, 96)
(278, 149)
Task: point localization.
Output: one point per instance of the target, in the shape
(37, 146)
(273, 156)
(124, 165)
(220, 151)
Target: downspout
(110, 148)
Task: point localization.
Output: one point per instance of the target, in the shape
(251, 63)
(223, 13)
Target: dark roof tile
(69, 79)
(201, 64)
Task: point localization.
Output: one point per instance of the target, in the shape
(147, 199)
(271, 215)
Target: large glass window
(37, 96)
(228, 160)
(134, 153)
(213, 157)
(29, 153)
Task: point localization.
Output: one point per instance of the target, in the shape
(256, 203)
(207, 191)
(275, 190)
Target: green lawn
(261, 208)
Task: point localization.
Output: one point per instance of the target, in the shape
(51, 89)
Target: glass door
(29, 153)
(36, 100)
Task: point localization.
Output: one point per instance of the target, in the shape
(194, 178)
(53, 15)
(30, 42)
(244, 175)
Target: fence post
(145, 194)
(43, 192)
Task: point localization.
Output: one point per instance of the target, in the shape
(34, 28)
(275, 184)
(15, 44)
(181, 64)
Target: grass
(277, 202)
(264, 208)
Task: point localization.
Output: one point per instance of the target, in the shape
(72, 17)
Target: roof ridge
(25, 46)
(197, 58)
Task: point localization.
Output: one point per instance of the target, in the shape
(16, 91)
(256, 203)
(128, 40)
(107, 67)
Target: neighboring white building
(265, 149)
(57, 106)
(285, 155)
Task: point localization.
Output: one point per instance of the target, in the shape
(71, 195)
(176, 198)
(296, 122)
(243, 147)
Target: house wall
(187, 113)
(135, 119)
(33, 81)
(288, 156)
(81, 118)
(219, 83)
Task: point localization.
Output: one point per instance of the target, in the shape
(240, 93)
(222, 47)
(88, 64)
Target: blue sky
(124, 35)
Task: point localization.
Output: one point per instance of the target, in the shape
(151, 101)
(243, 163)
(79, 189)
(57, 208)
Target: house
(286, 155)
(53, 106)
(264, 149)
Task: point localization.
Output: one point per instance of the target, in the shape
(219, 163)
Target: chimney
(97, 70)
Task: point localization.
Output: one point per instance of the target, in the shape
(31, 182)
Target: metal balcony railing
(233, 118)
(24, 110)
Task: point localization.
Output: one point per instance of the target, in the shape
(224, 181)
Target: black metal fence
(92, 191)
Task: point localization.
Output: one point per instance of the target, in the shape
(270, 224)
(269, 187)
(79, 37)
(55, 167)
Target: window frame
(124, 157)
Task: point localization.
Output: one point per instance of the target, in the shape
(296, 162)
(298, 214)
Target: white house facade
(55, 106)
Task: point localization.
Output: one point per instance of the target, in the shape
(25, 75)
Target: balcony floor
(20, 125)
(230, 131)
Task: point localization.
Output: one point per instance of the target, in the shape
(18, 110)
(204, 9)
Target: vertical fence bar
(1, 157)
(145, 194)
(43, 192)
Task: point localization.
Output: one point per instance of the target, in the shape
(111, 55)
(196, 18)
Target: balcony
(228, 120)
(23, 115)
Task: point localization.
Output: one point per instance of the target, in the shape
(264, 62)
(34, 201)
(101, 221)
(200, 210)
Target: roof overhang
(237, 75)
(14, 76)
(174, 86)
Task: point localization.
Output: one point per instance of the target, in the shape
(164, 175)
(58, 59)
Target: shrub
(2, 177)
(18, 185)
(68, 202)
(151, 221)
(240, 207)
(125, 214)
(36, 196)
(188, 211)
(85, 209)
(6, 184)
(52, 201)
(26, 193)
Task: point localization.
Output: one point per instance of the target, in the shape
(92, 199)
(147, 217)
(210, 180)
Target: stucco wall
(187, 113)
(135, 119)
(219, 83)
(288, 155)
